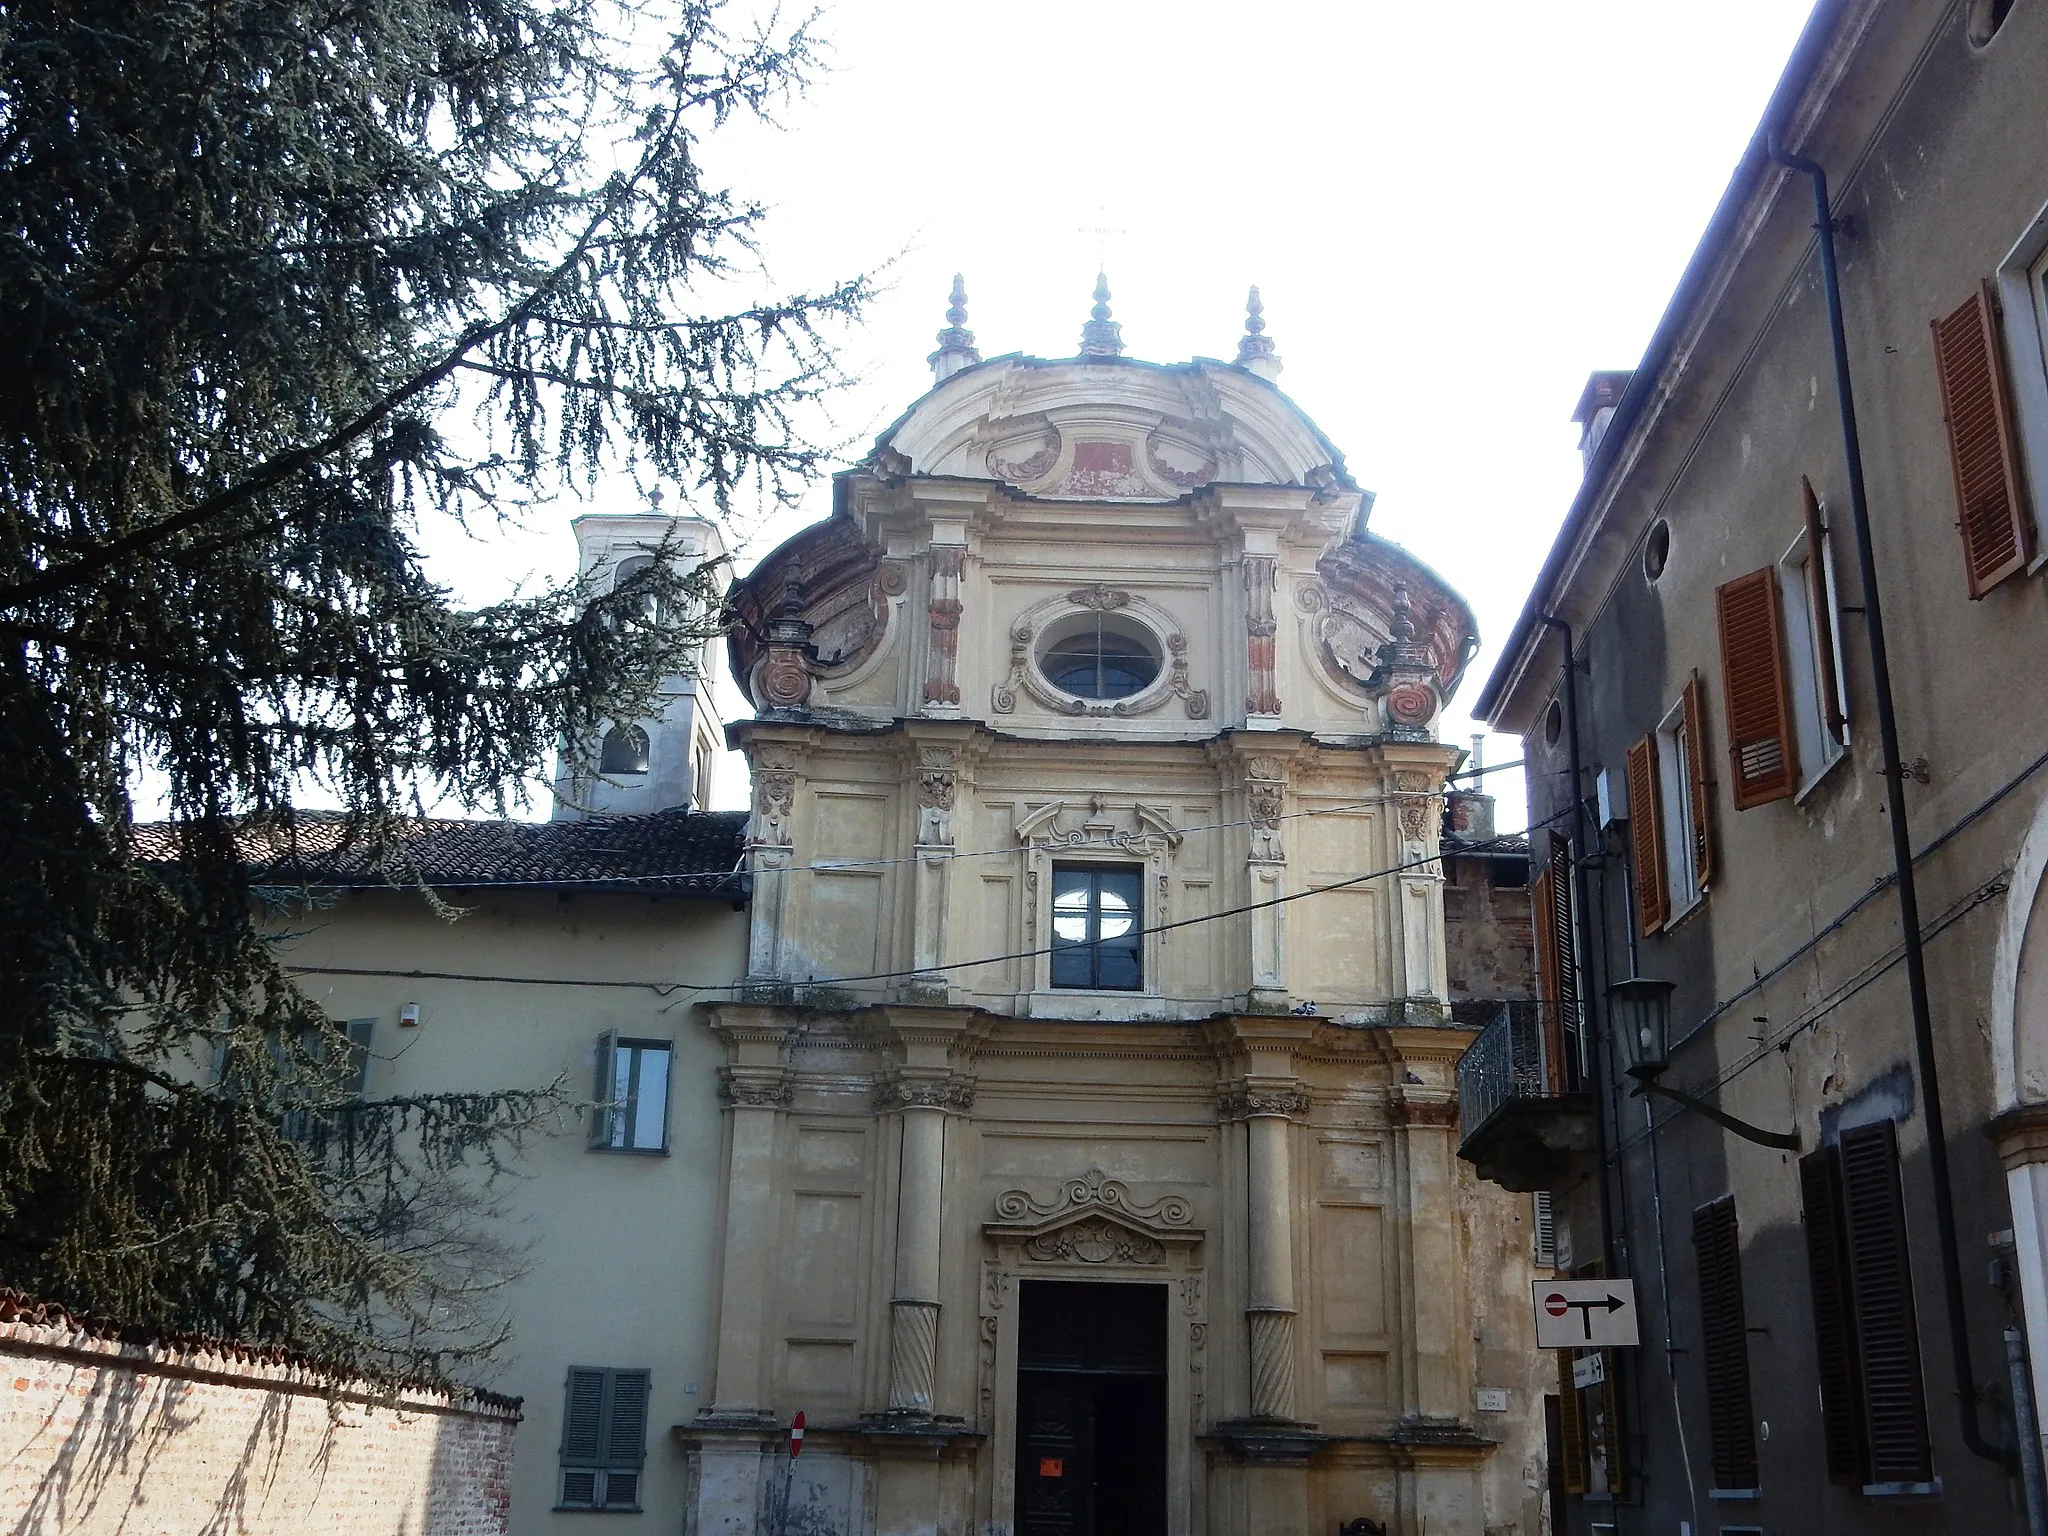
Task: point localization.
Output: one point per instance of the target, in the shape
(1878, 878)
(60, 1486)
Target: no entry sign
(1571, 1314)
(796, 1435)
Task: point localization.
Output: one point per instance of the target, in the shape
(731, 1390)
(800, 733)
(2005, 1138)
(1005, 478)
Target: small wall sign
(1052, 1466)
(1493, 1399)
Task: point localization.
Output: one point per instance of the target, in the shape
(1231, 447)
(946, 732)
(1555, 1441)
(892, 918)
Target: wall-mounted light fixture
(1640, 1009)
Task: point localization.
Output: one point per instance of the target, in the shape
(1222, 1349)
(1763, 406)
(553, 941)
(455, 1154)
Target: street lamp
(1641, 1011)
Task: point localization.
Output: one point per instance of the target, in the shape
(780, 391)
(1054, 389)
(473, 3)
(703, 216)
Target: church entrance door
(1091, 1410)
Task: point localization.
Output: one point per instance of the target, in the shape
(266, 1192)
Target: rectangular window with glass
(630, 1096)
(1098, 926)
(1813, 648)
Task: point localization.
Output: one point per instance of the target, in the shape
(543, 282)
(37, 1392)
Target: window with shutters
(1681, 822)
(2022, 290)
(1557, 971)
(1813, 644)
(1991, 507)
(630, 1095)
(1763, 752)
(1731, 1421)
(604, 1439)
(1543, 1230)
(1866, 1337)
(312, 1086)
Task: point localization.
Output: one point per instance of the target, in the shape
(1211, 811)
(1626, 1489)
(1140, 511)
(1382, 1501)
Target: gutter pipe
(1582, 901)
(1902, 843)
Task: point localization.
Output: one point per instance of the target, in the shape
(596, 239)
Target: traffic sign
(796, 1435)
(1571, 1314)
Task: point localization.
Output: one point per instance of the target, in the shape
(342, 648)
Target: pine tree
(280, 281)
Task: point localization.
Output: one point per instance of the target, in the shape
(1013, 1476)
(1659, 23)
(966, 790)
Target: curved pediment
(1094, 1219)
(1112, 430)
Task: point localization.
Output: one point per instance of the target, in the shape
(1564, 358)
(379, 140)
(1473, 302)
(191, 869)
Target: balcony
(1528, 1124)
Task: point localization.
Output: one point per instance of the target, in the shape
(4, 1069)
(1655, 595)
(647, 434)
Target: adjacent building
(1833, 1247)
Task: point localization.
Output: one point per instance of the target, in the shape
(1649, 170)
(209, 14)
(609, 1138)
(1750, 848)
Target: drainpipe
(1581, 899)
(1902, 844)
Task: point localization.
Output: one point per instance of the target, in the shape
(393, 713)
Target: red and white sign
(796, 1435)
(1576, 1314)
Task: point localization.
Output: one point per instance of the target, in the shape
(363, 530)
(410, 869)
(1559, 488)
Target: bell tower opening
(1091, 1409)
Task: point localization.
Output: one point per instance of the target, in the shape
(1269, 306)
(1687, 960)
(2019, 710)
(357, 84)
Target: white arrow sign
(1571, 1314)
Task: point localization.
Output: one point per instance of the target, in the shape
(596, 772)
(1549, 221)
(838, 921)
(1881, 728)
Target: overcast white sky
(1454, 212)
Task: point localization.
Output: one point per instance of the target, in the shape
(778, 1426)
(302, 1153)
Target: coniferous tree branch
(281, 281)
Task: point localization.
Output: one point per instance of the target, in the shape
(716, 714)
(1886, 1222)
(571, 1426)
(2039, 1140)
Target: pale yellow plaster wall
(620, 1250)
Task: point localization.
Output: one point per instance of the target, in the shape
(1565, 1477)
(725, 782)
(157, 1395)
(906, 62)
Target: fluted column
(1270, 1296)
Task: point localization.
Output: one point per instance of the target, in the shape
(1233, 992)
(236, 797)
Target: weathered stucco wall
(98, 1436)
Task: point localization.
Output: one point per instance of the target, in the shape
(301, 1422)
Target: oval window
(1657, 550)
(1099, 658)
(1553, 723)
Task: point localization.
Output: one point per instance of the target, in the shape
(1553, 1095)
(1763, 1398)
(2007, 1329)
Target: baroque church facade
(1090, 1149)
(1047, 1086)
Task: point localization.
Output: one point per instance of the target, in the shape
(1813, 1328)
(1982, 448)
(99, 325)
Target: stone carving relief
(1243, 1103)
(1265, 792)
(774, 799)
(1366, 665)
(754, 1090)
(1417, 804)
(938, 777)
(1095, 1241)
(1095, 1191)
(1109, 465)
(924, 1093)
(1153, 834)
(941, 683)
(1261, 578)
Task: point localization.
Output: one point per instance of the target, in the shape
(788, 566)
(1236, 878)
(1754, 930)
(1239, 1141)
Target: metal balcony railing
(1514, 1057)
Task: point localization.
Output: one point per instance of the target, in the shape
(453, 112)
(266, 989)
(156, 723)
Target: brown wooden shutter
(1821, 604)
(1731, 1425)
(1564, 1066)
(1761, 748)
(1827, 1274)
(1646, 831)
(1545, 932)
(1702, 791)
(1968, 358)
(1571, 1426)
(1881, 1287)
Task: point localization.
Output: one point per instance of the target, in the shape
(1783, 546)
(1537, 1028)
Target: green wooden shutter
(1834, 1338)
(1731, 1426)
(582, 1438)
(625, 1439)
(1881, 1286)
(360, 1033)
(603, 1114)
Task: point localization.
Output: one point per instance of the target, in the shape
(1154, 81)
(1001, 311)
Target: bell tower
(666, 762)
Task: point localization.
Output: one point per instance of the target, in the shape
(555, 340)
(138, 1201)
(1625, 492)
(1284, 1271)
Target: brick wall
(98, 1436)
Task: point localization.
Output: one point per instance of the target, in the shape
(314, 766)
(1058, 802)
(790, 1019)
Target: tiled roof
(669, 853)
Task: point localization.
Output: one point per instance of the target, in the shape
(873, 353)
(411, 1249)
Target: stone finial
(956, 343)
(1101, 336)
(1255, 347)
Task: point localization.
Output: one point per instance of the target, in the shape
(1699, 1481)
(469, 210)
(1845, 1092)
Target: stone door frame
(1093, 1232)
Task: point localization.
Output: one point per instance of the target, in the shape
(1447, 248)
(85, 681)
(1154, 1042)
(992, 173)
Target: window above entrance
(1097, 926)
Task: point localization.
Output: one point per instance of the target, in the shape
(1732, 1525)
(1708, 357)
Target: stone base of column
(913, 1355)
